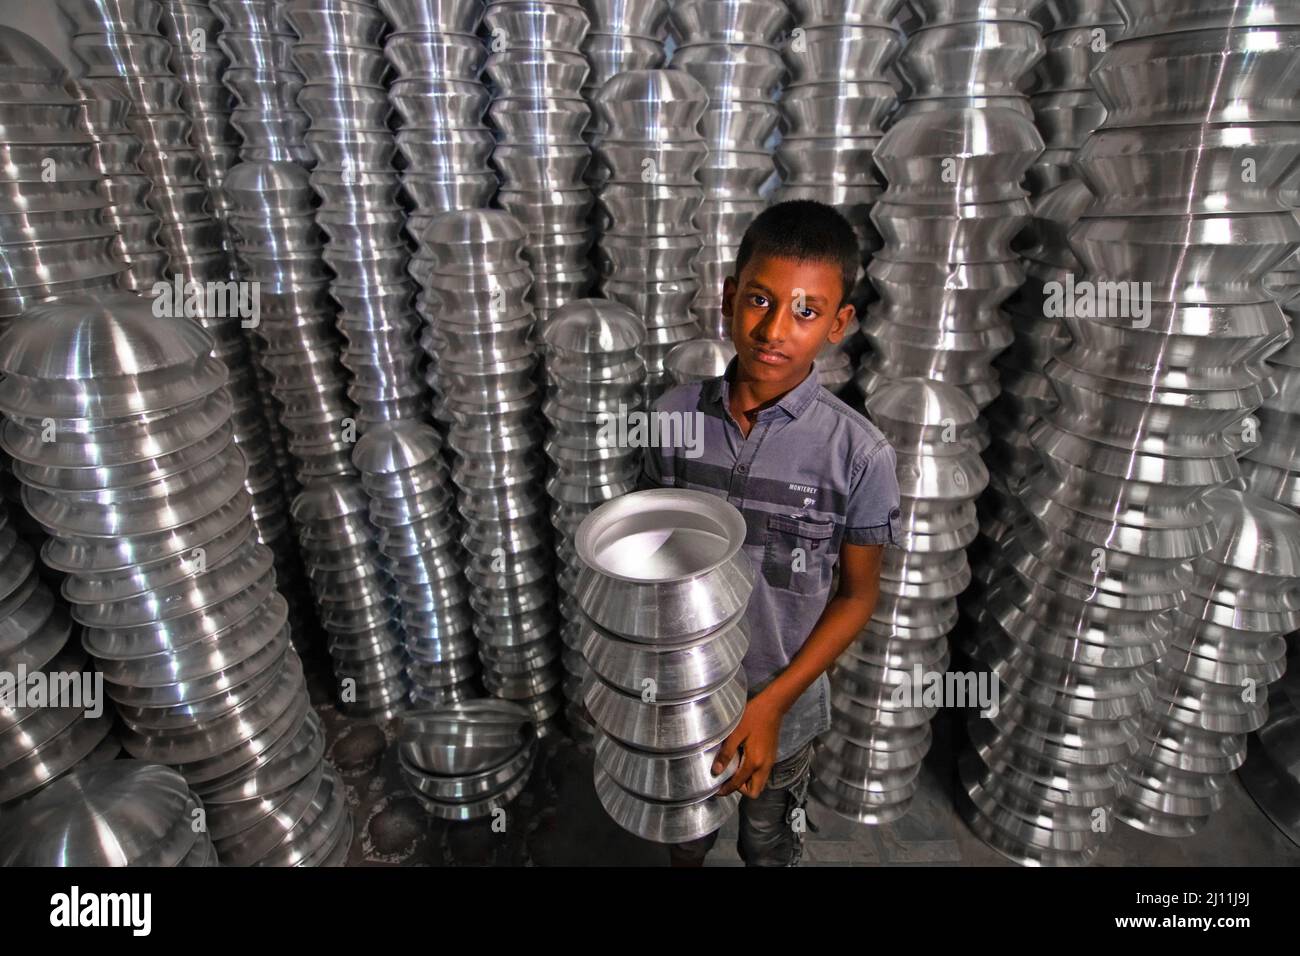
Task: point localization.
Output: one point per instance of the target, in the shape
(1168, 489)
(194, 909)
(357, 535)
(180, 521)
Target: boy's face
(781, 312)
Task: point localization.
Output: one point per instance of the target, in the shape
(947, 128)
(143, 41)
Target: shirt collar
(794, 402)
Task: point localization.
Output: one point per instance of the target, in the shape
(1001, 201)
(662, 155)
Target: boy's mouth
(770, 356)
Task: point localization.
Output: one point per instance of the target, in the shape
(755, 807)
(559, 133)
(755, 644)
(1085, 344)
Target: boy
(816, 484)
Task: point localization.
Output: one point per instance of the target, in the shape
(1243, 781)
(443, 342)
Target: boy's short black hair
(805, 230)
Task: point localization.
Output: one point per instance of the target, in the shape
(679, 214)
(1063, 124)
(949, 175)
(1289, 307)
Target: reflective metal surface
(596, 378)
(834, 112)
(661, 590)
(176, 594)
(536, 63)
(730, 48)
(648, 156)
(119, 813)
(480, 336)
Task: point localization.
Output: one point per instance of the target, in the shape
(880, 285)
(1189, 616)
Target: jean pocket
(797, 554)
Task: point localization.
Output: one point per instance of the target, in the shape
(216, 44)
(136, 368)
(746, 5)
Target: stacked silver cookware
(1155, 399)
(730, 48)
(343, 64)
(596, 379)
(624, 36)
(123, 813)
(480, 325)
(1026, 394)
(262, 78)
(1076, 35)
(198, 62)
(56, 237)
(413, 511)
(468, 760)
(834, 110)
(356, 598)
(650, 154)
(122, 41)
(882, 697)
(699, 360)
(104, 109)
(441, 102)
(662, 593)
(119, 425)
(954, 161)
(1271, 463)
(537, 71)
(115, 40)
(39, 743)
(1211, 686)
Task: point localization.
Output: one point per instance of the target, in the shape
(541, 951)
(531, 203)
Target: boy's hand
(758, 731)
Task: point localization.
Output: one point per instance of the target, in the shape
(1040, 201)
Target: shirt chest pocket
(797, 554)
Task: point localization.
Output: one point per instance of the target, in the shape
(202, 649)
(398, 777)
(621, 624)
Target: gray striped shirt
(812, 474)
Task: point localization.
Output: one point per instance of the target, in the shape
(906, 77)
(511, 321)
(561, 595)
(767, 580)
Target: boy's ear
(841, 322)
(728, 295)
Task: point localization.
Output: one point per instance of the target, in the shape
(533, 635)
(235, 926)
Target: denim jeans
(768, 836)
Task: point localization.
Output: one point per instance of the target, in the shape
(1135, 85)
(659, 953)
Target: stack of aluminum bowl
(834, 111)
(623, 37)
(116, 40)
(264, 85)
(263, 80)
(1155, 396)
(1272, 771)
(104, 109)
(1026, 394)
(954, 162)
(123, 41)
(343, 64)
(412, 508)
(730, 47)
(355, 598)
(699, 360)
(278, 245)
(1228, 646)
(467, 760)
(663, 594)
(480, 325)
(537, 72)
(124, 813)
(866, 767)
(141, 488)
(436, 91)
(596, 379)
(55, 235)
(193, 29)
(651, 152)
(1271, 463)
(1076, 35)
(39, 743)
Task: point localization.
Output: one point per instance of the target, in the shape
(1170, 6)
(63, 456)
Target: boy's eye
(757, 300)
(805, 313)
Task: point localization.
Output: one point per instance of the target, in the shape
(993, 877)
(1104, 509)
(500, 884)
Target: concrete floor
(558, 821)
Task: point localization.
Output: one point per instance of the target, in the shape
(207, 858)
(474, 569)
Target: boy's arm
(871, 519)
(844, 618)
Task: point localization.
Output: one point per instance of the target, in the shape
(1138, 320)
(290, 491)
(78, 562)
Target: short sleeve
(872, 516)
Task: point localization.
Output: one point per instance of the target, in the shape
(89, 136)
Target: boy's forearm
(844, 618)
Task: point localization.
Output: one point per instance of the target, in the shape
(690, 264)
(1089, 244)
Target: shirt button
(742, 469)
